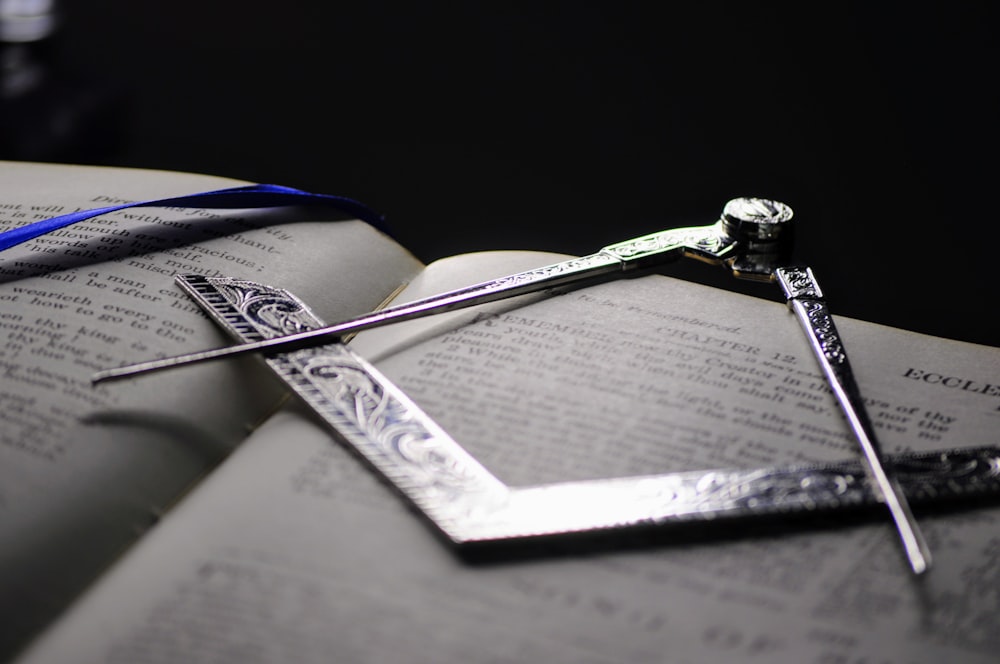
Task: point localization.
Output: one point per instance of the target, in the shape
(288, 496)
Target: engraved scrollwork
(361, 404)
(272, 315)
(705, 239)
(387, 422)
(565, 267)
(799, 283)
(754, 491)
(469, 504)
(712, 494)
(961, 471)
(825, 331)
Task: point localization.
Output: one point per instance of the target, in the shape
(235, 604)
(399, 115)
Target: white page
(84, 469)
(293, 551)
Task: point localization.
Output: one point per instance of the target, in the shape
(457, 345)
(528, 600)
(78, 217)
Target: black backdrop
(566, 126)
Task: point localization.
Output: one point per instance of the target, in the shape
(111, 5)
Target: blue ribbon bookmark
(250, 196)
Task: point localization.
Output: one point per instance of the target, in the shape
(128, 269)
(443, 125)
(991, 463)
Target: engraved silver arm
(806, 299)
(748, 243)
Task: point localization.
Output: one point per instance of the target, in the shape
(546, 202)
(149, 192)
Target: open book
(200, 514)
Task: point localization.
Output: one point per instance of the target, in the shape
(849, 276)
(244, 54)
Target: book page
(85, 469)
(294, 551)
(441, 276)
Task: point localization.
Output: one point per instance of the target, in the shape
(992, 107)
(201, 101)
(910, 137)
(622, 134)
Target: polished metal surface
(471, 506)
(750, 238)
(806, 299)
(753, 238)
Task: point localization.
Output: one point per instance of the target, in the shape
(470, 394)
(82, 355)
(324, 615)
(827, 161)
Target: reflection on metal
(471, 506)
(806, 299)
(752, 238)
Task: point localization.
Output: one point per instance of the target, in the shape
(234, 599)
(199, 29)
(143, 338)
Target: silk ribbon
(251, 196)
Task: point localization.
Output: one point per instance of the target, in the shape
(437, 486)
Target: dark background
(564, 126)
